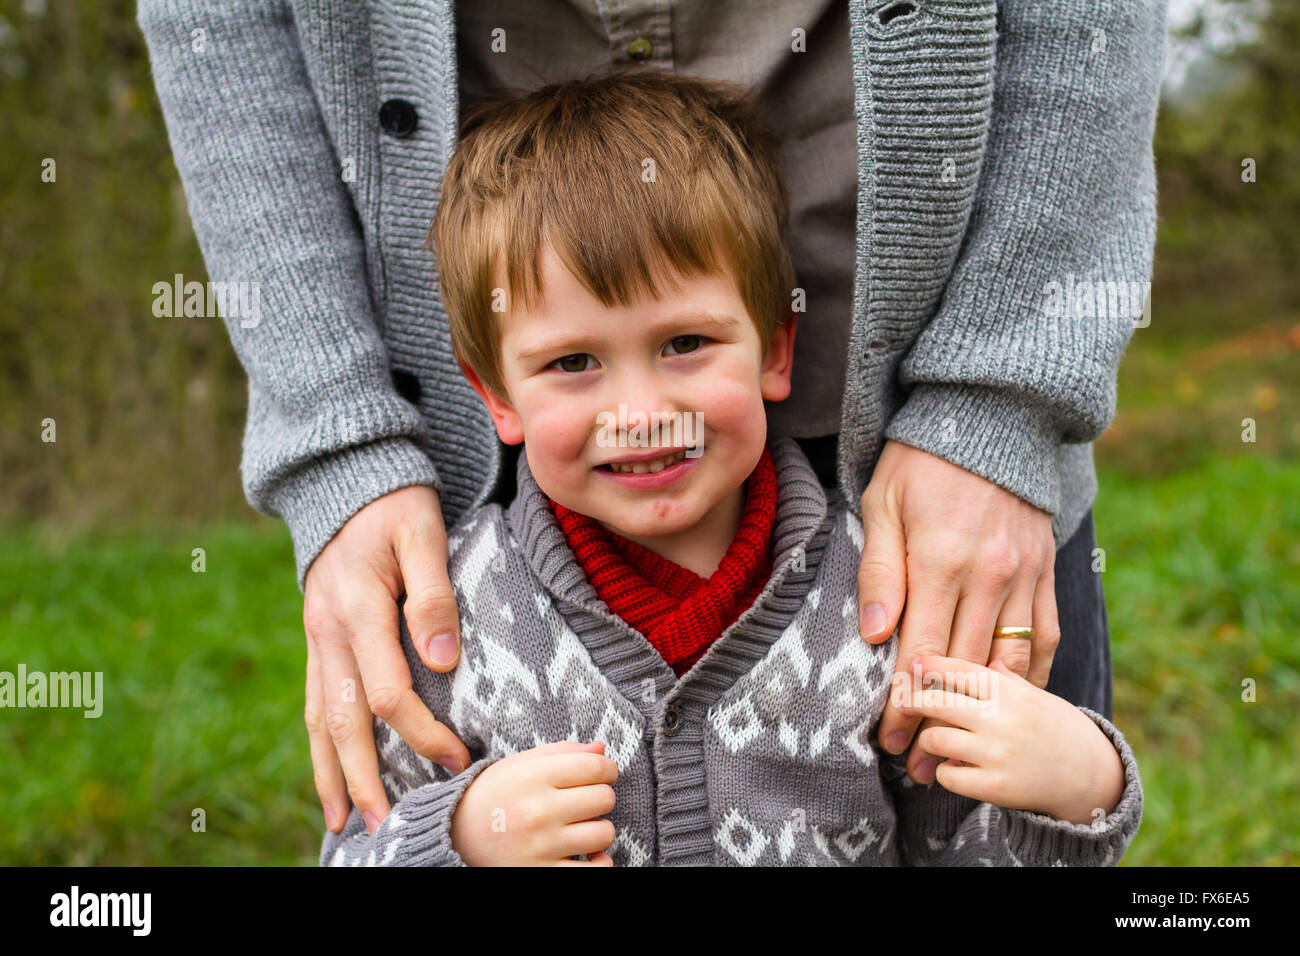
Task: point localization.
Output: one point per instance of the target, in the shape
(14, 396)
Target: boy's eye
(576, 362)
(685, 343)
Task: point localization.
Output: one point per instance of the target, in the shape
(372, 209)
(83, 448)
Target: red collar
(679, 612)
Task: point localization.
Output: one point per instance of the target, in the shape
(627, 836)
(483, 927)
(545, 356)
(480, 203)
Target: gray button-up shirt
(805, 83)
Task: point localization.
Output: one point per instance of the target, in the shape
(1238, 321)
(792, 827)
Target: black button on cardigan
(398, 118)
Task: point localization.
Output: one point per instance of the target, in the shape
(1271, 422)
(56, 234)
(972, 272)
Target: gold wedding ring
(1024, 633)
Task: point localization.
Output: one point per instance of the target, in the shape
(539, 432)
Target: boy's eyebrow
(570, 346)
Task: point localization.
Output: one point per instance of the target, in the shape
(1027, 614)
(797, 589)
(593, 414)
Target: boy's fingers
(586, 802)
(580, 769)
(564, 746)
(927, 622)
(921, 761)
(589, 836)
(953, 743)
(430, 605)
(956, 709)
(966, 780)
(972, 637)
(954, 674)
(327, 773)
(882, 571)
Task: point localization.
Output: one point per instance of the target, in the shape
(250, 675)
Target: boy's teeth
(643, 467)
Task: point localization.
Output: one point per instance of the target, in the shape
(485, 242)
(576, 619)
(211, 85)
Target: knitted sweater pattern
(763, 753)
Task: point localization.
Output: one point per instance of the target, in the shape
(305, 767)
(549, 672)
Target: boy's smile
(647, 417)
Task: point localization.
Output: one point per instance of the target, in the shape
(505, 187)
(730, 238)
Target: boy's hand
(539, 808)
(939, 539)
(1012, 744)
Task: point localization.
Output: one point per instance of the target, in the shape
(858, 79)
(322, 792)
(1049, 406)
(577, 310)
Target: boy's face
(694, 357)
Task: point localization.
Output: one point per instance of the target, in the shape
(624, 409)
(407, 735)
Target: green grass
(1201, 571)
(203, 681)
(203, 697)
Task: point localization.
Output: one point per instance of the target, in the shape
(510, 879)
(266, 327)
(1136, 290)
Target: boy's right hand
(539, 808)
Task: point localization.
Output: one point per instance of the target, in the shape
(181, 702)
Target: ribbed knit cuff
(416, 832)
(319, 498)
(1039, 839)
(995, 433)
(426, 819)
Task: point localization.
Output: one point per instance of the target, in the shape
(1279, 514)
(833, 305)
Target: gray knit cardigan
(763, 754)
(1004, 154)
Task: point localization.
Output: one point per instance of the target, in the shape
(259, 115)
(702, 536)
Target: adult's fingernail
(372, 821)
(873, 620)
(329, 816)
(895, 742)
(451, 764)
(925, 770)
(442, 649)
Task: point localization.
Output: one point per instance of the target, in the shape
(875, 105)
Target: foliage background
(203, 672)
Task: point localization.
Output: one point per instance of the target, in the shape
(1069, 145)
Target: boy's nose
(641, 404)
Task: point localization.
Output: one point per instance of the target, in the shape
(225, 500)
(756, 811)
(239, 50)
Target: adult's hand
(955, 556)
(355, 665)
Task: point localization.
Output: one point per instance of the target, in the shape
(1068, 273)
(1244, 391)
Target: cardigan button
(398, 118)
(672, 720)
(640, 49)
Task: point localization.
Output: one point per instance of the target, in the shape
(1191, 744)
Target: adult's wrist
(319, 498)
(999, 434)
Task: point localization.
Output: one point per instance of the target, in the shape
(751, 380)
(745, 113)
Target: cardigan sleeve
(940, 828)
(327, 431)
(422, 795)
(1007, 371)
(416, 832)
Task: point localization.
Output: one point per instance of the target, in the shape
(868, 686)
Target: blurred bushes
(1227, 249)
(148, 412)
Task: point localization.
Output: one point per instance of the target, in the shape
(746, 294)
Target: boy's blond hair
(618, 174)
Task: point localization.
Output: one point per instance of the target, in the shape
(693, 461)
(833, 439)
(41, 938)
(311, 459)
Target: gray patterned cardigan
(770, 757)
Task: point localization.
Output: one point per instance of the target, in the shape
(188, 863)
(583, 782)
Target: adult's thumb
(882, 574)
(431, 612)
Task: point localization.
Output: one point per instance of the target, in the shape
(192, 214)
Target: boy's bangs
(624, 250)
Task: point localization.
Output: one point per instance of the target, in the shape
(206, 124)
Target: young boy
(660, 658)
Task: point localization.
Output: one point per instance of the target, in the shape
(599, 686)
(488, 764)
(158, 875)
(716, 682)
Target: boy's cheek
(555, 424)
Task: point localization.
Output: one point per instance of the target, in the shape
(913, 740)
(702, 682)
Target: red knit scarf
(679, 612)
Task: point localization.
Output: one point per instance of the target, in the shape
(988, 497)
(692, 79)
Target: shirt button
(398, 118)
(640, 49)
(672, 721)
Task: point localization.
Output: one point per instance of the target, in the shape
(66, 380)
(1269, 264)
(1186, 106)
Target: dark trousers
(1081, 668)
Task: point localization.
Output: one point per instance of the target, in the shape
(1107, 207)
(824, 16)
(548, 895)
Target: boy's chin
(644, 523)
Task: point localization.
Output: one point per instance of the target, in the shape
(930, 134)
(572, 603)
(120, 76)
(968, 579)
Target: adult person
(948, 160)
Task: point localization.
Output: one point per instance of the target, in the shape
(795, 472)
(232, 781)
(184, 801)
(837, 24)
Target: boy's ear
(503, 414)
(779, 361)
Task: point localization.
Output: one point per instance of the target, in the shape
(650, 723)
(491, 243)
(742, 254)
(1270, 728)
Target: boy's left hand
(1011, 743)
